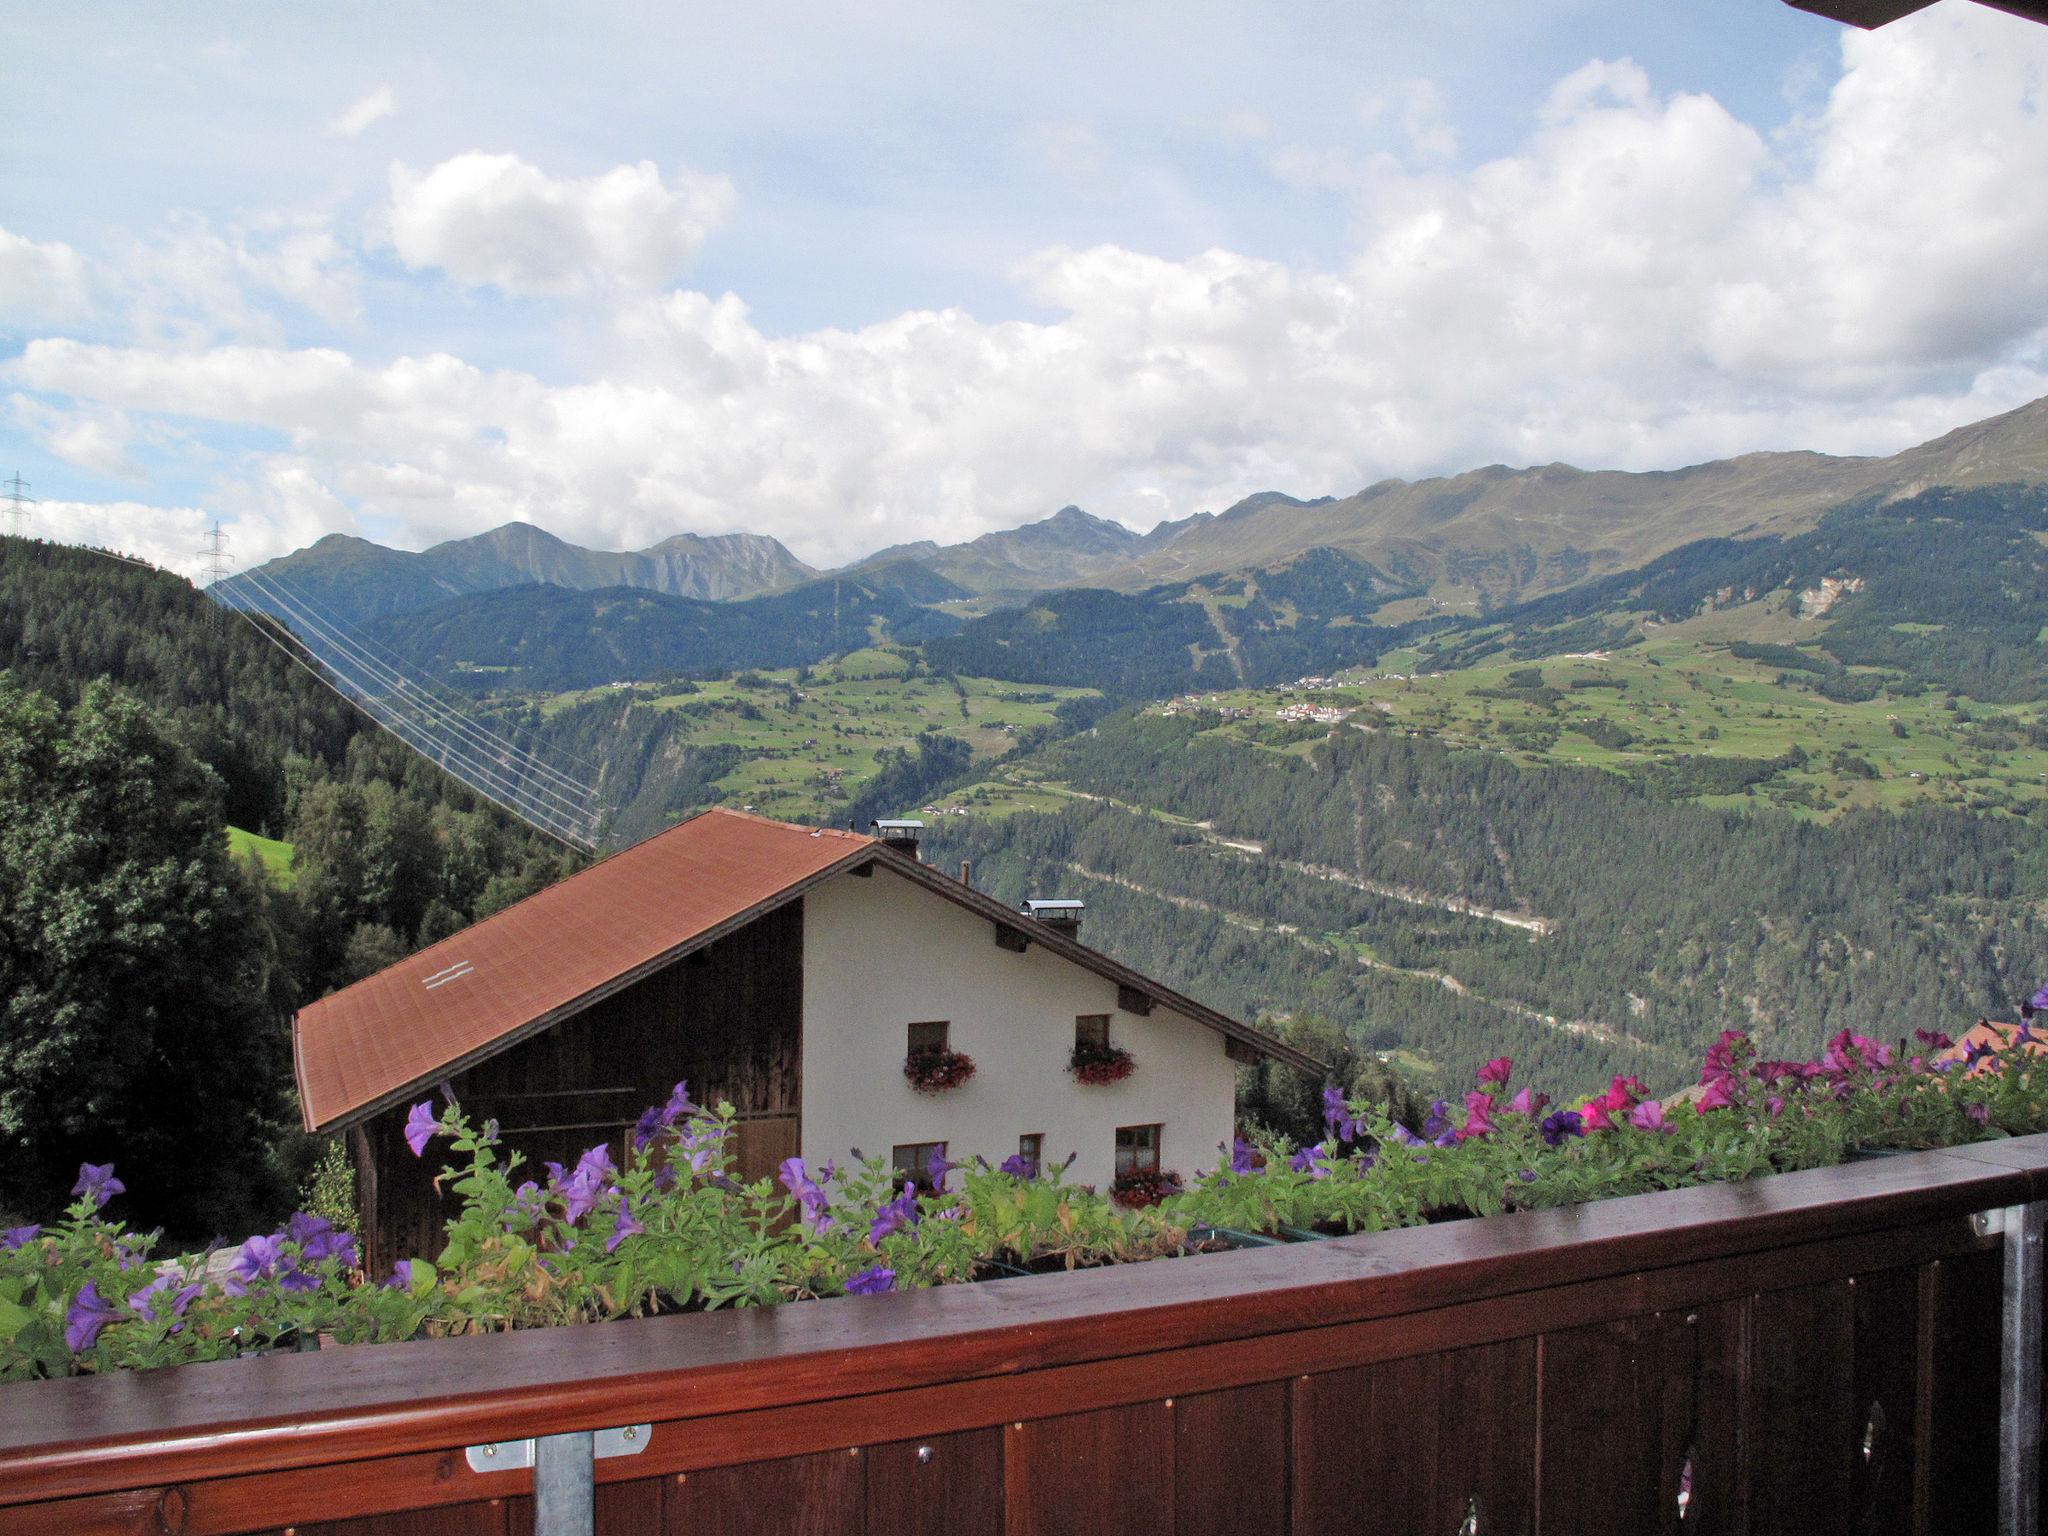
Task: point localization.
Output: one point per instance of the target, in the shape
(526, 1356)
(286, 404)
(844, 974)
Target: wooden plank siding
(1814, 1352)
(727, 1018)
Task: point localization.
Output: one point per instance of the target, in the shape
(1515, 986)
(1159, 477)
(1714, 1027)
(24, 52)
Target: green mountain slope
(1501, 534)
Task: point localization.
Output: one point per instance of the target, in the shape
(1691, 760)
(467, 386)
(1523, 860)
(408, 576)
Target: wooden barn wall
(727, 1019)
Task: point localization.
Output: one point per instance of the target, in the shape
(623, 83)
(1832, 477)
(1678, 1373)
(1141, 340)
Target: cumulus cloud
(496, 220)
(375, 107)
(40, 282)
(1646, 281)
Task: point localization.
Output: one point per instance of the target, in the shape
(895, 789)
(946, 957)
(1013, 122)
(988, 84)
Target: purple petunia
(1018, 1166)
(144, 1305)
(936, 1167)
(1338, 1116)
(1311, 1161)
(646, 1128)
(97, 1183)
(19, 1237)
(1243, 1156)
(421, 1127)
(401, 1276)
(87, 1315)
(626, 1228)
(1560, 1124)
(872, 1281)
(892, 1215)
(810, 1196)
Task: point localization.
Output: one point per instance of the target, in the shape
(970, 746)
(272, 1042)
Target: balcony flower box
(935, 1071)
(1100, 1065)
(1144, 1187)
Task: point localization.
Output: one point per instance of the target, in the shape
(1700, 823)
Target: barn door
(760, 1143)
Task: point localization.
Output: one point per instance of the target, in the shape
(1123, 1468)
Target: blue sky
(857, 275)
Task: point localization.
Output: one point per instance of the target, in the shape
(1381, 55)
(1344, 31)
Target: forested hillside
(121, 882)
(550, 638)
(1456, 906)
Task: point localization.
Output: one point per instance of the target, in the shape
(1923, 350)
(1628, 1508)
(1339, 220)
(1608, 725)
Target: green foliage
(137, 976)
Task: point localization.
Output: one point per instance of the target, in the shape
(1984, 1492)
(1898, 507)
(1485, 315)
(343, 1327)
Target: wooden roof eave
(1070, 948)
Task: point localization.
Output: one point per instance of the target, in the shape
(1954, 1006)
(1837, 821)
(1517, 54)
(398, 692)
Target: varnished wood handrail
(132, 1429)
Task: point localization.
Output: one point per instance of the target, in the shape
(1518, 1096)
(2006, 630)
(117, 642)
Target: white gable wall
(880, 953)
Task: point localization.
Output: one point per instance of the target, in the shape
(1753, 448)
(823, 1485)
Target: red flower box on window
(1100, 1064)
(1144, 1186)
(934, 1071)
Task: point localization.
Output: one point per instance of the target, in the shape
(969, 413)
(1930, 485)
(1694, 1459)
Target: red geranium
(936, 1070)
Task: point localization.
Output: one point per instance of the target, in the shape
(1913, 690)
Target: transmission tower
(15, 493)
(215, 554)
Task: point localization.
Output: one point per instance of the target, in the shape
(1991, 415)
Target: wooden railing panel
(818, 1495)
(1106, 1473)
(946, 1485)
(1886, 1464)
(1963, 1434)
(1371, 1383)
(1618, 1416)
(1230, 1462)
(1400, 1449)
(1801, 1420)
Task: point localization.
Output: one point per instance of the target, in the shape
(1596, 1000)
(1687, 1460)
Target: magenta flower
(1529, 1102)
(872, 1281)
(1717, 1096)
(97, 1183)
(1933, 1039)
(19, 1237)
(421, 1127)
(1478, 1116)
(626, 1228)
(87, 1315)
(1497, 1072)
(1649, 1116)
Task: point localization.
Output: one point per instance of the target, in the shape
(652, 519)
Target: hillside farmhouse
(789, 971)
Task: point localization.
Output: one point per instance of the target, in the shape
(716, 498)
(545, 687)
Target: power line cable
(515, 765)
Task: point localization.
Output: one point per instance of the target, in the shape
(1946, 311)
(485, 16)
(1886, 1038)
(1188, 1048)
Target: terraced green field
(809, 738)
(1647, 709)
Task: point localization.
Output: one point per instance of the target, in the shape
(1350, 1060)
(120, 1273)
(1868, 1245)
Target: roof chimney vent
(902, 835)
(1063, 915)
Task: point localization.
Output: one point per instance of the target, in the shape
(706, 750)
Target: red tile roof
(1992, 1035)
(549, 956)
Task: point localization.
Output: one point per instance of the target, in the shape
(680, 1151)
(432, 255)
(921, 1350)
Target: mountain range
(1485, 538)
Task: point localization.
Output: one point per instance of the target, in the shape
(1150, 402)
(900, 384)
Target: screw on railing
(1685, 1484)
(1469, 1526)
(1873, 1431)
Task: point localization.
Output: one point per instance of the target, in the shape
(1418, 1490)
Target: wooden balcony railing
(1812, 1353)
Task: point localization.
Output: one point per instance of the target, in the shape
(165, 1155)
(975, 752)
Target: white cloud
(375, 107)
(496, 220)
(40, 282)
(1645, 281)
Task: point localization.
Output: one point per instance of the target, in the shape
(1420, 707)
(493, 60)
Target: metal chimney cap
(886, 826)
(1054, 908)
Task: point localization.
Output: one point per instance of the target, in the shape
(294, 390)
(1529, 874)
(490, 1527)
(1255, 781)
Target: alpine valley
(1575, 766)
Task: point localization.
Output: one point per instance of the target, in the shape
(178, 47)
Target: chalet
(789, 971)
